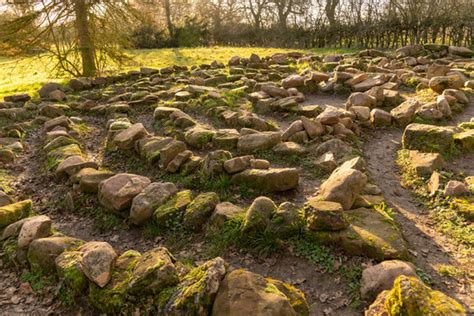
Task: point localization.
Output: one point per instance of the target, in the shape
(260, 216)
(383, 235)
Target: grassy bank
(27, 74)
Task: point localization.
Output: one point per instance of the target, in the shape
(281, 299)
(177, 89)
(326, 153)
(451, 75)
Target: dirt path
(427, 246)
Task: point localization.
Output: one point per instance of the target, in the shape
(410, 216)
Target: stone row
(153, 281)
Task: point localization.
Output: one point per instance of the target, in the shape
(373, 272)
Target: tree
(83, 35)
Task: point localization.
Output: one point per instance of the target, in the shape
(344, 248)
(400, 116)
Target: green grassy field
(27, 74)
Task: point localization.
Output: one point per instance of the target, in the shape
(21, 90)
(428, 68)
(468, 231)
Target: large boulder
(273, 180)
(154, 195)
(246, 293)
(343, 186)
(380, 277)
(409, 296)
(196, 292)
(116, 193)
(428, 138)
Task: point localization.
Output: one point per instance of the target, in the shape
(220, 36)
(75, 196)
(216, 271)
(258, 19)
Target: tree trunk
(86, 45)
(169, 22)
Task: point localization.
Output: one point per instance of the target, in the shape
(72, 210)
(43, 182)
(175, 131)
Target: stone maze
(292, 184)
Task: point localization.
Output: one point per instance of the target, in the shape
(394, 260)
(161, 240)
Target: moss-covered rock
(113, 297)
(199, 210)
(428, 138)
(258, 215)
(199, 137)
(273, 180)
(56, 156)
(171, 213)
(154, 272)
(410, 297)
(60, 141)
(246, 293)
(43, 252)
(196, 292)
(286, 221)
(465, 140)
(370, 233)
(13, 212)
(68, 268)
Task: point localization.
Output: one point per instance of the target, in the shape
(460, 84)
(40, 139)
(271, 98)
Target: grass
(27, 74)
(37, 281)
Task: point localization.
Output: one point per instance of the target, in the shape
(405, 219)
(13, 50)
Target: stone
(381, 277)
(286, 221)
(72, 165)
(258, 215)
(42, 252)
(343, 186)
(456, 188)
(293, 81)
(371, 233)
(273, 180)
(440, 83)
(258, 141)
(259, 164)
(404, 113)
(461, 51)
(89, 179)
(5, 199)
(324, 215)
(237, 164)
(380, 117)
(34, 228)
(434, 183)
(49, 87)
(171, 212)
(62, 121)
(213, 163)
(459, 95)
(410, 296)
(60, 141)
(425, 163)
(153, 196)
(338, 147)
(116, 193)
(327, 162)
(226, 138)
(199, 210)
(362, 113)
(429, 111)
(13, 212)
(154, 271)
(465, 140)
(428, 138)
(7, 155)
(69, 270)
(246, 293)
(196, 293)
(170, 151)
(225, 212)
(289, 149)
(178, 161)
(313, 128)
(360, 99)
(126, 139)
(199, 137)
(274, 91)
(296, 126)
(97, 262)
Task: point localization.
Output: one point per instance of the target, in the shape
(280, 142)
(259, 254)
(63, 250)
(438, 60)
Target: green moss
(169, 215)
(56, 156)
(14, 212)
(409, 296)
(69, 269)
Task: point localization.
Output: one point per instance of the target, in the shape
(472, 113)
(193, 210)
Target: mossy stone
(13, 212)
(56, 156)
(68, 267)
(170, 214)
(200, 210)
(113, 298)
